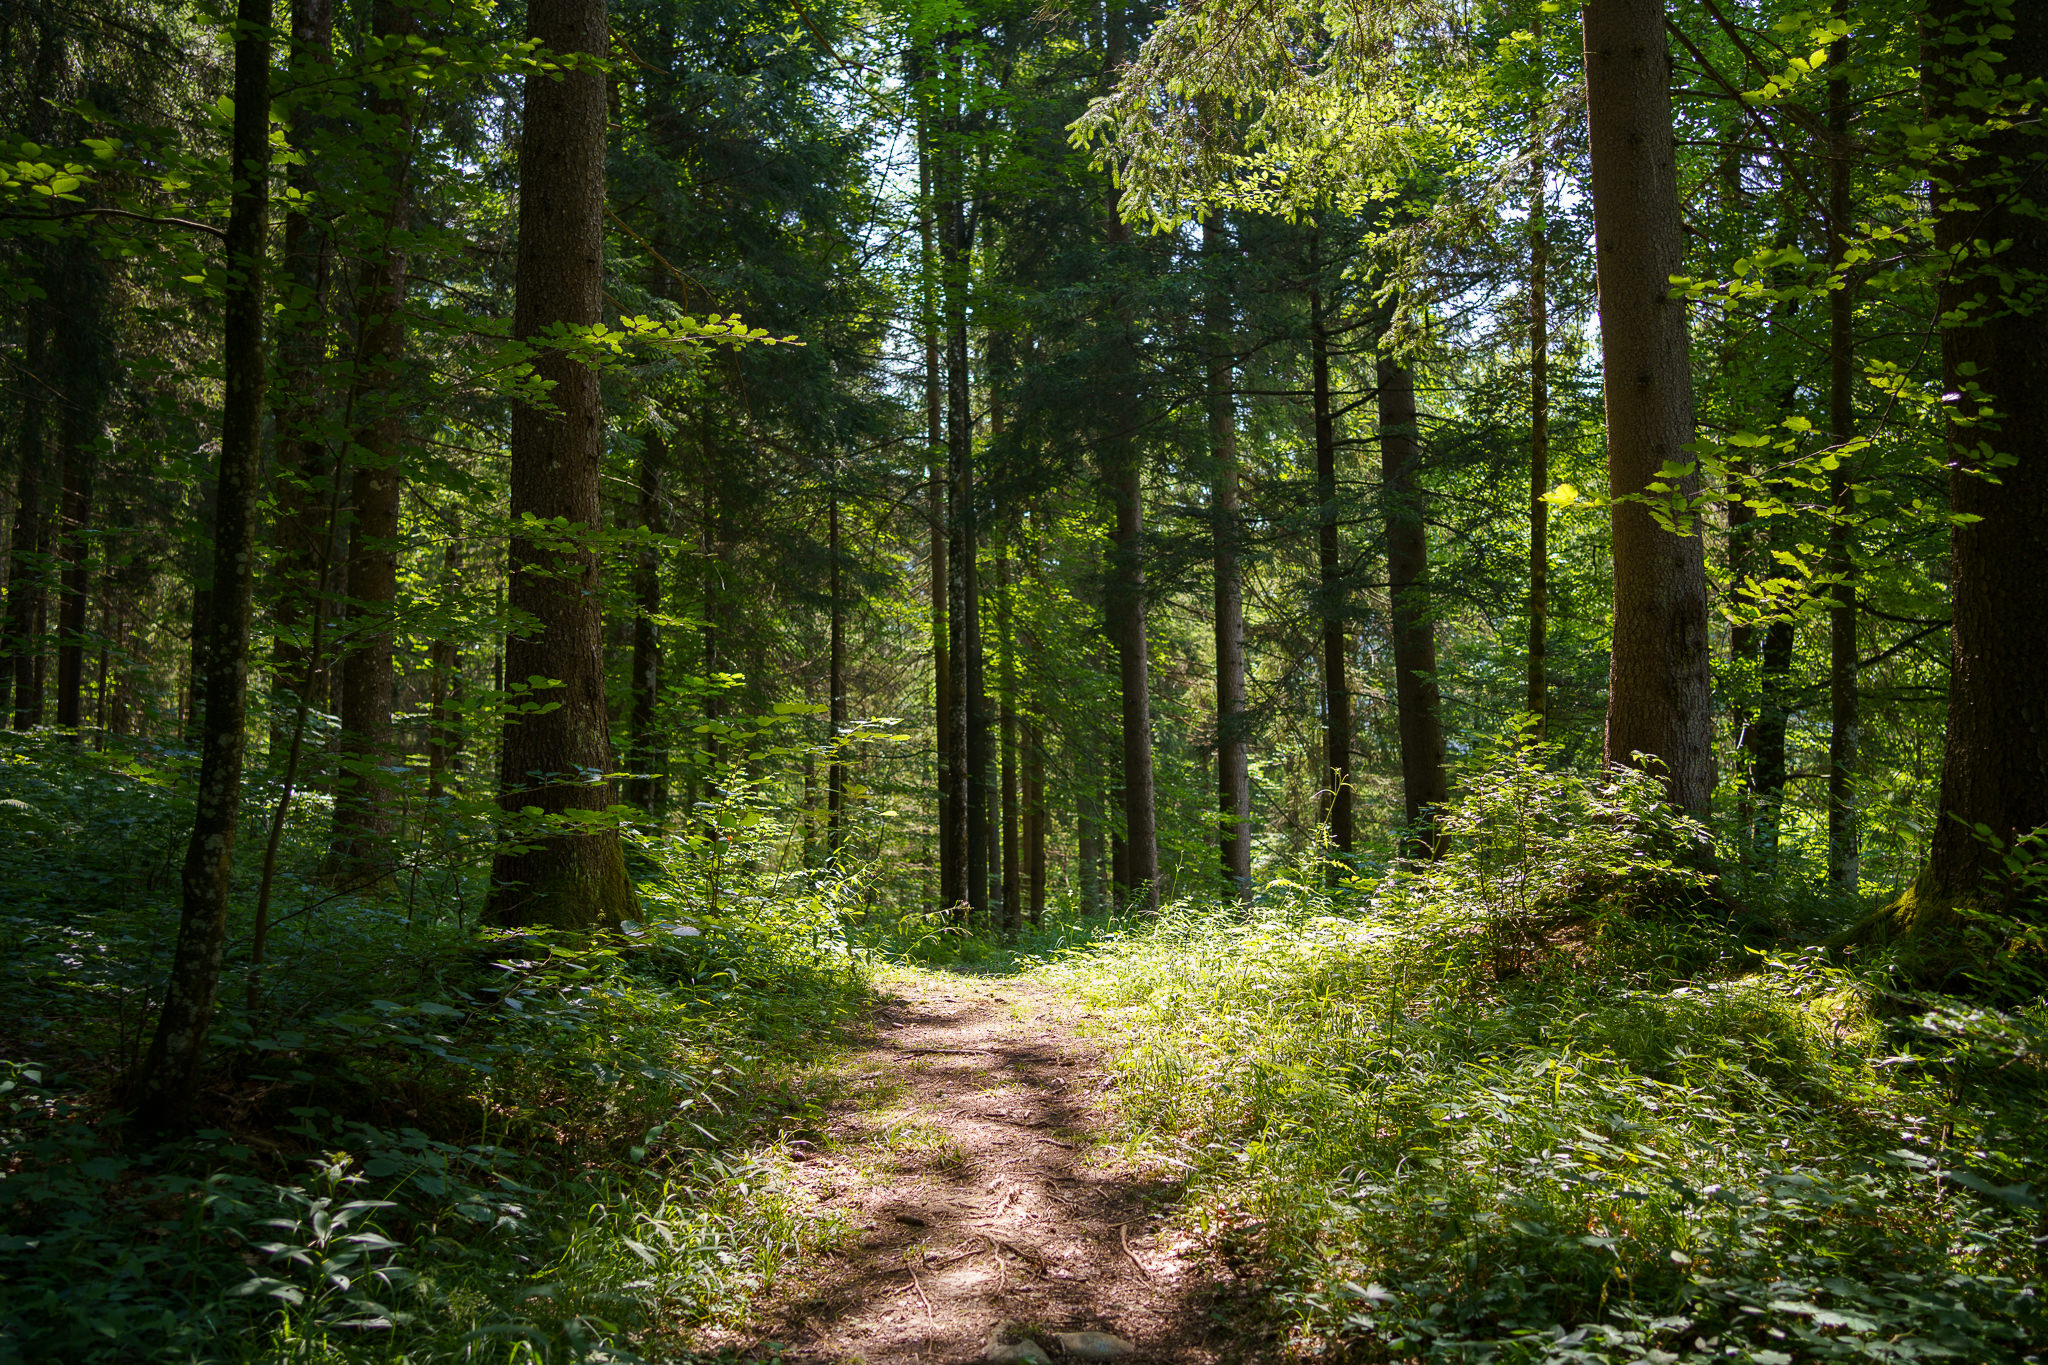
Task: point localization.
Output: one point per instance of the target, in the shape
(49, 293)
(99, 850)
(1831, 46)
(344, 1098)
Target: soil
(969, 1158)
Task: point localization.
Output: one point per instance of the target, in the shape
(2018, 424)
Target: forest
(847, 681)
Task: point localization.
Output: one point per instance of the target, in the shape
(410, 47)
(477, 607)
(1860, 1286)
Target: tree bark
(960, 896)
(1418, 702)
(646, 787)
(1994, 777)
(363, 793)
(1034, 816)
(75, 551)
(551, 760)
(21, 648)
(1124, 612)
(1658, 695)
(938, 483)
(1088, 849)
(301, 528)
(1844, 718)
(1536, 693)
(28, 559)
(445, 662)
(1233, 766)
(1768, 767)
(1006, 688)
(835, 793)
(1330, 591)
(708, 551)
(161, 1090)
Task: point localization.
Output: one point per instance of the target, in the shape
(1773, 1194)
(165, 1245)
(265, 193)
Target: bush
(1490, 1109)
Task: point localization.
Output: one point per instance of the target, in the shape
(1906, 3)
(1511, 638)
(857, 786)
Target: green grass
(416, 1148)
(1502, 1110)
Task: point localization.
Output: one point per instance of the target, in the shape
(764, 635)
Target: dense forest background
(913, 477)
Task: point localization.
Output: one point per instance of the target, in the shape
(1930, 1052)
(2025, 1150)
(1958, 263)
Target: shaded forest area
(1472, 577)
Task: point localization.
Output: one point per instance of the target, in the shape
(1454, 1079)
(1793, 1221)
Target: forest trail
(965, 1156)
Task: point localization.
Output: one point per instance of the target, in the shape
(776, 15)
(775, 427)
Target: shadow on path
(966, 1161)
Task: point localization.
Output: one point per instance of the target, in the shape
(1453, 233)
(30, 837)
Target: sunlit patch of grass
(1640, 1142)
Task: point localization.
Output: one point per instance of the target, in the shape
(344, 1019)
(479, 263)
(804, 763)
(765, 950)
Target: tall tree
(1233, 766)
(29, 553)
(1657, 692)
(1418, 700)
(1844, 712)
(967, 893)
(1990, 227)
(302, 529)
(160, 1090)
(363, 796)
(1331, 593)
(553, 758)
(1123, 472)
(1536, 686)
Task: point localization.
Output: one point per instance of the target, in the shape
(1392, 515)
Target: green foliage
(422, 1148)
(1625, 1139)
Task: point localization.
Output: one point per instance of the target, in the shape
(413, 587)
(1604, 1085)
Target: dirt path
(966, 1158)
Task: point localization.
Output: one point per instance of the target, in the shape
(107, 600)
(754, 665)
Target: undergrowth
(420, 1145)
(1547, 1100)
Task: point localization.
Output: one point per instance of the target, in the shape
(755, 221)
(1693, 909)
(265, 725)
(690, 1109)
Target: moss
(1949, 942)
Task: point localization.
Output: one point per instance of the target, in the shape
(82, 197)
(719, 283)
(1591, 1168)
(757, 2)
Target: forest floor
(967, 1154)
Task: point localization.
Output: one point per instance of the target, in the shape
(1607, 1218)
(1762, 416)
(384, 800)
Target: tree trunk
(1994, 776)
(1768, 769)
(1658, 695)
(1330, 594)
(1233, 767)
(29, 558)
(708, 554)
(1536, 693)
(1418, 702)
(1844, 720)
(444, 661)
(835, 793)
(1124, 596)
(968, 850)
(85, 365)
(645, 787)
(363, 795)
(1088, 849)
(205, 549)
(937, 485)
(28, 564)
(161, 1090)
(75, 550)
(575, 881)
(301, 528)
(1006, 686)
(980, 828)
(1034, 816)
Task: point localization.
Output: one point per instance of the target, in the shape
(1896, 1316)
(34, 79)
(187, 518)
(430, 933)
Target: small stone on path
(1007, 1342)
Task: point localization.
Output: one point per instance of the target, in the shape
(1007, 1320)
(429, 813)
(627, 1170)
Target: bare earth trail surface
(966, 1157)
